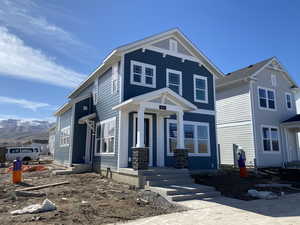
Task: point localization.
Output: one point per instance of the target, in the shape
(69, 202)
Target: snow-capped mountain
(15, 129)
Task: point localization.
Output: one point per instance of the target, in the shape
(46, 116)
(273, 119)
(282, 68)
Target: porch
(291, 129)
(142, 129)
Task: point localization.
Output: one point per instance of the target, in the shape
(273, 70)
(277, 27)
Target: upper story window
(65, 136)
(173, 45)
(273, 80)
(114, 80)
(174, 80)
(143, 74)
(288, 99)
(200, 89)
(270, 139)
(266, 98)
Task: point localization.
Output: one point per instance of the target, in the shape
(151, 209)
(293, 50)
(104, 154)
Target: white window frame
(180, 79)
(113, 119)
(275, 100)
(65, 136)
(114, 78)
(173, 43)
(143, 75)
(195, 78)
(274, 80)
(286, 100)
(195, 124)
(262, 138)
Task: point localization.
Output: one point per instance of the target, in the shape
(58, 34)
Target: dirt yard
(230, 184)
(88, 199)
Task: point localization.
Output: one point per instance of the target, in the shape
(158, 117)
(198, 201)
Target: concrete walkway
(226, 211)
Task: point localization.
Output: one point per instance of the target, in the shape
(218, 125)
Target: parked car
(23, 153)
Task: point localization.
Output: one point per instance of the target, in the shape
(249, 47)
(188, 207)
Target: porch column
(140, 128)
(180, 130)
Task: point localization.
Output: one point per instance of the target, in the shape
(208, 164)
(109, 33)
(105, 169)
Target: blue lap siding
(188, 69)
(106, 101)
(61, 153)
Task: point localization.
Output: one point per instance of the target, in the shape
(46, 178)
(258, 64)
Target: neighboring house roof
(249, 72)
(115, 55)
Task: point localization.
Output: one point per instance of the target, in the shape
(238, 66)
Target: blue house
(150, 104)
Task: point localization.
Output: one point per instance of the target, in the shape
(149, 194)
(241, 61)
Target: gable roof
(116, 54)
(249, 72)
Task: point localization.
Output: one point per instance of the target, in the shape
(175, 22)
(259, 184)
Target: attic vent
(250, 66)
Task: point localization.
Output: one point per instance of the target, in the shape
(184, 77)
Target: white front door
(148, 134)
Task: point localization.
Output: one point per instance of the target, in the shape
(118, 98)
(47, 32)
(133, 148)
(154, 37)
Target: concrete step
(192, 196)
(174, 181)
(165, 171)
(166, 176)
(76, 168)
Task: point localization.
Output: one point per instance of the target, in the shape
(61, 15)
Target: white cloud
(28, 18)
(22, 61)
(24, 103)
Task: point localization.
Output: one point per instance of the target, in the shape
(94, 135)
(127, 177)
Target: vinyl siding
(106, 101)
(233, 104)
(61, 154)
(239, 135)
(271, 118)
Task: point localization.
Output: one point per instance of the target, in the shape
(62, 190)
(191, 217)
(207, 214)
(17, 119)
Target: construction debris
(30, 194)
(43, 186)
(46, 206)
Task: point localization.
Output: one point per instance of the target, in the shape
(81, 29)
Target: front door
(148, 135)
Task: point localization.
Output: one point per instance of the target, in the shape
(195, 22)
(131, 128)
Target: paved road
(225, 211)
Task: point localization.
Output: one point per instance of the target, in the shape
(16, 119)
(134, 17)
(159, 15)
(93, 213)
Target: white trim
(143, 74)
(177, 72)
(252, 105)
(267, 99)
(150, 117)
(96, 145)
(160, 154)
(195, 78)
(235, 124)
(216, 129)
(195, 124)
(204, 111)
(121, 82)
(87, 156)
(286, 101)
(72, 135)
(123, 139)
(262, 139)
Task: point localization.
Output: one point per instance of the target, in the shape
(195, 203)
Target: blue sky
(48, 47)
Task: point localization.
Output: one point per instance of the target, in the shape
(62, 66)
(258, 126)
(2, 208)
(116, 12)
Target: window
(14, 150)
(270, 139)
(200, 89)
(114, 79)
(288, 98)
(105, 137)
(143, 74)
(173, 46)
(196, 137)
(27, 150)
(273, 80)
(95, 92)
(174, 81)
(65, 136)
(266, 98)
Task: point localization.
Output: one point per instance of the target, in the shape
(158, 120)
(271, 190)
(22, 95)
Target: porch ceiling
(293, 122)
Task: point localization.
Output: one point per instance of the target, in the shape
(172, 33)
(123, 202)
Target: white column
(140, 128)
(160, 141)
(180, 130)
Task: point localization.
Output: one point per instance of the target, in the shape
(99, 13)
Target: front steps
(177, 185)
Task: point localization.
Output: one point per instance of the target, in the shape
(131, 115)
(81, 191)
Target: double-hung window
(266, 98)
(270, 136)
(107, 136)
(288, 99)
(174, 80)
(143, 74)
(196, 137)
(200, 89)
(114, 79)
(65, 136)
